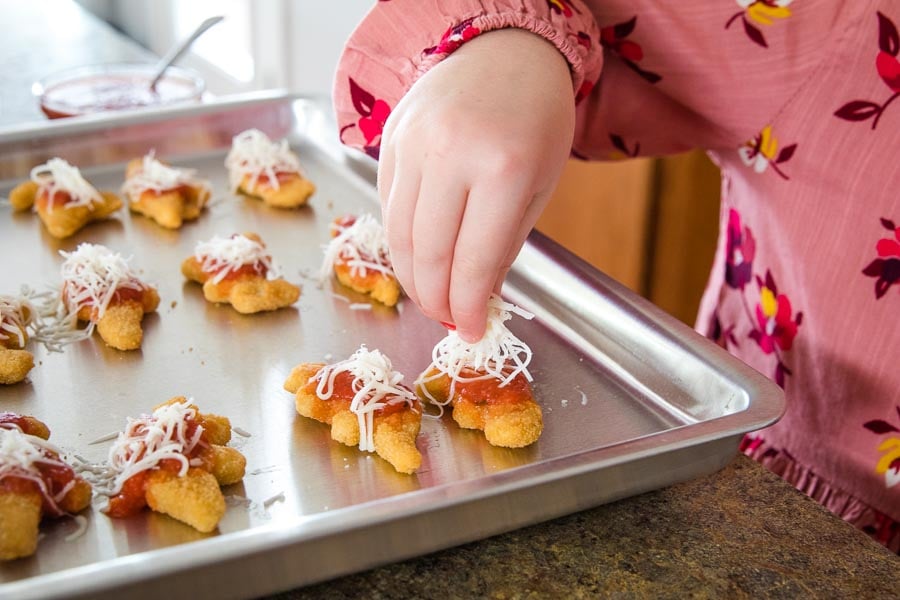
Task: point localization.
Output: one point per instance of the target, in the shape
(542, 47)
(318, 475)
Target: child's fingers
(385, 175)
(397, 218)
(532, 213)
(436, 224)
(488, 230)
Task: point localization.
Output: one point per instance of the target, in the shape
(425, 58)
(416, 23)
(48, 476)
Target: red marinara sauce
(122, 294)
(263, 179)
(488, 391)
(54, 476)
(19, 421)
(256, 269)
(125, 87)
(45, 201)
(343, 392)
(132, 498)
(342, 223)
(154, 193)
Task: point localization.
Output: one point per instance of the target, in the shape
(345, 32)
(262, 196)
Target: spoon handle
(175, 53)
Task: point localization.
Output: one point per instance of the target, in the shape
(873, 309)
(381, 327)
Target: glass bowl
(117, 86)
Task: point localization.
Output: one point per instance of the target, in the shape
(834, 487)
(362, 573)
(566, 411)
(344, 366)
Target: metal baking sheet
(632, 399)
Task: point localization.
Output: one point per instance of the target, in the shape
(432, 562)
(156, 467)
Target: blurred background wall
(649, 223)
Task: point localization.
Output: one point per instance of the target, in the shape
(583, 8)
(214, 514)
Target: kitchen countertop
(740, 532)
(48, 36)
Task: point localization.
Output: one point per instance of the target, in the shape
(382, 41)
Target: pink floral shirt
(795, 101)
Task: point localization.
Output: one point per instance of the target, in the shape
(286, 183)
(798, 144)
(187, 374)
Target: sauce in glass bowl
(101, 88)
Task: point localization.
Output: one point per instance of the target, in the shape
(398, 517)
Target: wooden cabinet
(649, 223)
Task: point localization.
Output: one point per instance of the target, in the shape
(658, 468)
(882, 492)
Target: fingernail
(469, 339)
(449, 326)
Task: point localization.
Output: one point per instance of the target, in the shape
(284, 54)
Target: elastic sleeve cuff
(399, 41)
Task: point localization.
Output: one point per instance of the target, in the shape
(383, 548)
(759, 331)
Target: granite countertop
(740, 532)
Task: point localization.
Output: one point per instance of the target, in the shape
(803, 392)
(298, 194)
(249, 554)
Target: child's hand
(469, 158)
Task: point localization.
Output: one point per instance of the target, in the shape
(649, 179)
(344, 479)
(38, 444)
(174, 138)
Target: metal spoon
(175, 53)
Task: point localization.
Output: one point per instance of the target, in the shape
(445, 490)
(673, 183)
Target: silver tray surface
(632, 399)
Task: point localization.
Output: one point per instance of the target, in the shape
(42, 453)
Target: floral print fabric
(888, 68)
(796, 102)
(772, 323)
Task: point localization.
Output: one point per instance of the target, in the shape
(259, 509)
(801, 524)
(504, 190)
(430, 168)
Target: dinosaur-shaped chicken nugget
(365, 404)
(261, 168)
(100, 287)
(16, 314)
(165, 194)
(63, 199)
(174, 461)
(34, 483)
(358, 256)
(486, 382)
(238, 270)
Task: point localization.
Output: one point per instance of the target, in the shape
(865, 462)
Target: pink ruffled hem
(877, 525)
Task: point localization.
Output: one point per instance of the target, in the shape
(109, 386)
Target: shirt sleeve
(650, 77)
(399, 40)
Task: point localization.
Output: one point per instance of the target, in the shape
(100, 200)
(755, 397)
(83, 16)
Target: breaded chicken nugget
(34, 483)
(217, 428)
(15, 317)
(23, 195)
(358, 256)
(226, 464)
(63, 199)
(508, 415)
(177, 473)
(167, 195)
(238, 270)
(14, 365)
(194, 498)
(261, 168)
(365, 404)
(120, 326)
(20, 513)
(100, 287)
(290, 190)
(487, 382)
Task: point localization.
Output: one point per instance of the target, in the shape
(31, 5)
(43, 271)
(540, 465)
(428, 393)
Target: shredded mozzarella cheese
(222, 256)
(499, 354)
(150, 439)
(279, 497)
(16, 314)
(80, 527)
(20, 456)
(57, 175)
(46, 325)
(375, 385)
(159, 177)
(91, 276)
(253, 154)
(361, 246)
